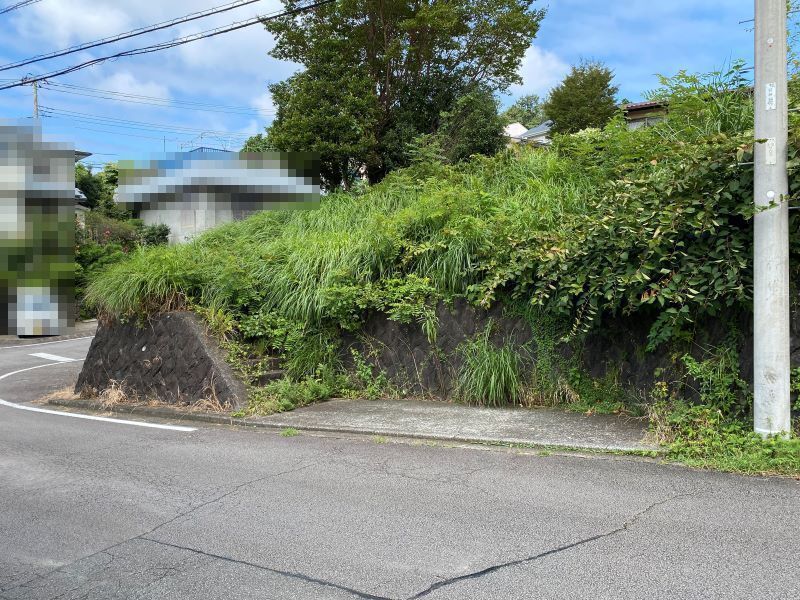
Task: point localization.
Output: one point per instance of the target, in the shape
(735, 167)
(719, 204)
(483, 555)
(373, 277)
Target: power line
(22, 4)
(154, 101)
(129, 34)
(170, 44)
(129, 123)
(136, 135)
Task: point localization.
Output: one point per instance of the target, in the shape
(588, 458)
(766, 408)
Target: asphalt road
(96, 509)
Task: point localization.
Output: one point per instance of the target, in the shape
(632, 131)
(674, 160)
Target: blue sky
(230, 73)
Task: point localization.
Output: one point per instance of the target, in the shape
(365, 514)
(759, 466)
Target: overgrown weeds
(490, 374)
(715, 431)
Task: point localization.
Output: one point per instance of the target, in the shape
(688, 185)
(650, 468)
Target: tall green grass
(490, 375)
(441, 228)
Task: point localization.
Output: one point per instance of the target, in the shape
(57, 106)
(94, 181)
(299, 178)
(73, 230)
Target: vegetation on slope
(655, 221)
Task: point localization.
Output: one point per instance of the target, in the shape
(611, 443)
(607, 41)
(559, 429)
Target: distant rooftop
(208, 149)
(633, 106)
(539, 130)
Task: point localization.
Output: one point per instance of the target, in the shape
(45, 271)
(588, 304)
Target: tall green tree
(408, 60)
(472, 126)
(528, 110)
(328, 110)
(586, 98)
(99, 189)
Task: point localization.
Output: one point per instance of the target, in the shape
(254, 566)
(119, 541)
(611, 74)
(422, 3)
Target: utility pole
(771, 227)
(35, 85)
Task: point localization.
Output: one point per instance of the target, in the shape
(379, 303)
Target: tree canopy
(528, 110)
(586, 98)
(99, 188)
(378, 74)
(472, 126)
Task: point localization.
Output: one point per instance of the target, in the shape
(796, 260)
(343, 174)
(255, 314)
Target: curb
(179, 415)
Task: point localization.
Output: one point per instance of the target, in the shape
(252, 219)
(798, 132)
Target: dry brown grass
(117, 394)
(64, 394)
(559, 394)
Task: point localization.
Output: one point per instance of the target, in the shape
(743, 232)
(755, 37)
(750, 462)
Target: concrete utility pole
(35, 100)
(771, 244)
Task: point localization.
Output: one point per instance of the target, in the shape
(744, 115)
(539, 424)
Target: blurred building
(191, 192)
(37, 233)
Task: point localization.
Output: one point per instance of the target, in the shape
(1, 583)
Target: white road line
(54, 357)
(79, 415)
(86, 337)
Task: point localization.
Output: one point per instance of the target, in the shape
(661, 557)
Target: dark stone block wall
(617, 346)
(170, 358)
(173, 359)
(404, 353)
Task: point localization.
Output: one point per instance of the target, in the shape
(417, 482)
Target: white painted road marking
(79, 415)
(23, 346)
(94, 418)
(54, 357)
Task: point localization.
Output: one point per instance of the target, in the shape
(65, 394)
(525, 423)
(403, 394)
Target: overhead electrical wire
(48, 112)
(154, 100)
(129, 34)
(136, 135)
(22, 4)
(170, 44)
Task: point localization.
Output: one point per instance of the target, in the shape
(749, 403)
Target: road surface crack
(291, 574)
(37, 577)
(522, 561)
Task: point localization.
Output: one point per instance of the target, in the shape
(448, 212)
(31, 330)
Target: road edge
(176, 414)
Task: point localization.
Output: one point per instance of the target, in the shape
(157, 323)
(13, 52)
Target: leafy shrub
(154, 235)
(720, 385)
(365, 382)
(489, 375)
(704, 437)
(284, 395)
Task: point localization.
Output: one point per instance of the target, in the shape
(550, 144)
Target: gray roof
(537, 131)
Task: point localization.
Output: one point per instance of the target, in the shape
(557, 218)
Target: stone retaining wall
(170, 358)
(173, 359)
(616, 346)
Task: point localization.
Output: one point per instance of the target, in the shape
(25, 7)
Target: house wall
(185, 223)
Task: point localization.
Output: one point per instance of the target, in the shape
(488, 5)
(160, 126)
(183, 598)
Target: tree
(472, 126)
(256, 143)
(91, 185)
(329, 111)
(99, 189)
(528, 110)
(411, 59)
(586, 98)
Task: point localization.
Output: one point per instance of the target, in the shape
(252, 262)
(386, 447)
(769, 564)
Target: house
(37, 283)
(191, 192)
(517, 133)
(637, 115)
(644, 114)
(513, 131)
(539, 135)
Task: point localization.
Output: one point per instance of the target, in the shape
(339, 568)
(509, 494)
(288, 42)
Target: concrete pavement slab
(456, 422)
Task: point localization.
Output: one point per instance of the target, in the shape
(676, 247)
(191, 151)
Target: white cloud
(264, 103)
(66, 23)
(126, 83)
(541, 70)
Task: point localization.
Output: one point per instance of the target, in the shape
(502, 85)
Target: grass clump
(289, 432)
(715, 431)
(701, 436)
(285, 394)
(489, 375)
